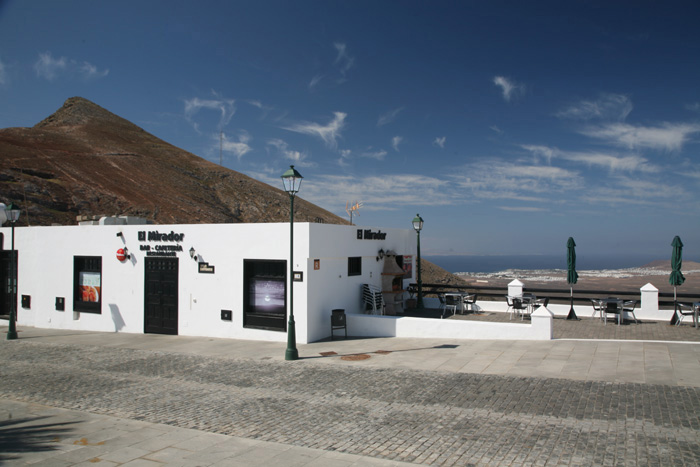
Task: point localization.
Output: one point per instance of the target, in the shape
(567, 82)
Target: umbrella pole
(674, 318)
(572, 313)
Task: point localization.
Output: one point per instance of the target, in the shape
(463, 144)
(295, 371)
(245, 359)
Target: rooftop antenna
(355, 208)
(221, 148)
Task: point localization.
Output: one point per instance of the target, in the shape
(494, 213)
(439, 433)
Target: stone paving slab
(367, 408)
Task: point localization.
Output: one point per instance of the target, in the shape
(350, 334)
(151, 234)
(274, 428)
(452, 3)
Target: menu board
(89, 286)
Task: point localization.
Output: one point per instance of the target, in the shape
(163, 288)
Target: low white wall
(361, 325)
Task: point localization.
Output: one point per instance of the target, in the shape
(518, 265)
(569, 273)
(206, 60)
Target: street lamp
(12, 213)
(292, 182)
(418, 226)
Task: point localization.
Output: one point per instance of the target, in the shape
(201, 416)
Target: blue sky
(509, 126)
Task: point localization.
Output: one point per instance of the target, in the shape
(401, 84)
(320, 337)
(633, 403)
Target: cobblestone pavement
(423, 417)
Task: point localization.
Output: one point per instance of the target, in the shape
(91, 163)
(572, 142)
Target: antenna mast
(355, 208)
(221, 148)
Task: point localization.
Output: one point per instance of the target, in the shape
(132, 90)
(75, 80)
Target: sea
(486, 264)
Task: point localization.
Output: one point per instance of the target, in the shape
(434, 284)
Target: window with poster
(87, 284)
(265, 294)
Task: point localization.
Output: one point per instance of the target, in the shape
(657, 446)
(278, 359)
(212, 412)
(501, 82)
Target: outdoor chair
(338, 322)
(597, 307)
(628, 306)
(470, 302)
(441, 297)
(451, 303)
(611, 308)
(373, 300)
(684, 310)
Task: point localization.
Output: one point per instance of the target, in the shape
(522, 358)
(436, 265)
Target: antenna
(355, 208)
(221, 148)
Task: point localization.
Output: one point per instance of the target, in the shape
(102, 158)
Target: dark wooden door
(161, 295)
(6, 282)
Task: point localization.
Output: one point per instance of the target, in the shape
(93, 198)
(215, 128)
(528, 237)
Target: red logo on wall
(121, 255)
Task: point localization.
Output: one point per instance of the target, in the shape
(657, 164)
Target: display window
(355, 266)
(265, 294)
(87, 280)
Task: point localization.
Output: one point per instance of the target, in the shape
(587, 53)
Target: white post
(649, 308)
(515, 288)
(542, 322)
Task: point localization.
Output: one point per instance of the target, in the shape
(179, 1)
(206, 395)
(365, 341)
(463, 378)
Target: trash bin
(338, 321)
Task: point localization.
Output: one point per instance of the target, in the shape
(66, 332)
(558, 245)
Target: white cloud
(299, 158)
(328, 133)
(666, 137)
(237, 148)
(395, 141)
(225, 107)
(3, 74)
(50, 68)
(496, 129)
(508, 87)
(612, 162)
(314, 81)
(695, 106)
(343, 60)
(440, 141)
(389, 117)
(378, 155)
(607, 107)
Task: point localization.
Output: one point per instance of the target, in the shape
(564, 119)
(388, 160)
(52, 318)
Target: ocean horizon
(495, 263)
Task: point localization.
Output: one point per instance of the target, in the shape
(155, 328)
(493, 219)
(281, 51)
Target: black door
(5, 282)
(161, 295)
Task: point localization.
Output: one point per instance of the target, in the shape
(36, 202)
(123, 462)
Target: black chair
(685, 310)
(470, 301)
(628, 306)
(338, 322)
(519, 306)
(451, 303)
(612, 308)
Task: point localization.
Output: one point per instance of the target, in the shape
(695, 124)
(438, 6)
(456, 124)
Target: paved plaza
(83, 398)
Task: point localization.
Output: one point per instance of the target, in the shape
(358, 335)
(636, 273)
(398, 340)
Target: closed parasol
(571, 275)
(676, 278)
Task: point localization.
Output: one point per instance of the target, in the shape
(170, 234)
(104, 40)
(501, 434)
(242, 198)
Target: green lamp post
(12, 213)
(418, 226)
(292, 182)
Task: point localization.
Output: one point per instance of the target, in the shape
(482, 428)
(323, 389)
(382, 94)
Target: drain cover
(352, 358)
(328, 354)
(383, 352)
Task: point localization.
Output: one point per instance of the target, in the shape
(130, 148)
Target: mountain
(84, 160)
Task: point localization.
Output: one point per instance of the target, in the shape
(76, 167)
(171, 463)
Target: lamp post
(12, 212)
(292, 182)
(418, 226)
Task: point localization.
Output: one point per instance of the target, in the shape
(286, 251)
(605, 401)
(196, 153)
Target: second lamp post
(292, 182)
(418, 226)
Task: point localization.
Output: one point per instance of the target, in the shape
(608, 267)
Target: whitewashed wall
(45, 271)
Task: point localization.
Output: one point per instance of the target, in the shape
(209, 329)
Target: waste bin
(338, 321)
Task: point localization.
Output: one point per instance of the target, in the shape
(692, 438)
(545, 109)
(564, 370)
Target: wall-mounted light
(380, 254)
(119, 234)
(126, 252)
(193, 255)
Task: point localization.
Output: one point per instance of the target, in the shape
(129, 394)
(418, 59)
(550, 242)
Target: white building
(217, 280)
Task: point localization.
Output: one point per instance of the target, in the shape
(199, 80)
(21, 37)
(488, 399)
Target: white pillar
(515, 288)
(649, 307)
(542, 322)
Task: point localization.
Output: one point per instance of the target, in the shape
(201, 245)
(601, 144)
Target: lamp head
(12, 211)
(418, 223)
(292, 180)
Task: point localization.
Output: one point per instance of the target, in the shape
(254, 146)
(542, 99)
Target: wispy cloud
(314, 81)
(606, 107)
(395, 141)
(237, 148)
(50, 68)
(389, 116)
(3, 74)
(666, 137)
(225, 107)
(496, 129)
(343, 59)
(440, 141)
(378, 155)
(611, 162)
(329, 133)
(509, 88)
(694, 106)
(299, 158)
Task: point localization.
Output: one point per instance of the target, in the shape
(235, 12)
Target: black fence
(558, 295)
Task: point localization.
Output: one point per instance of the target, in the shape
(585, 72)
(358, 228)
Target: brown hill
(84, 160)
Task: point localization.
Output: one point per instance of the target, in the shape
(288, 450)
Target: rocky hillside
(84, 160)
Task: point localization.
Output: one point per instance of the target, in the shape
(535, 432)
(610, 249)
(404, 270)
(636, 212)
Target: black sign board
(206, 268)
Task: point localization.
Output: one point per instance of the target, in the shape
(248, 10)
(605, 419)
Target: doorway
(161, 296)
